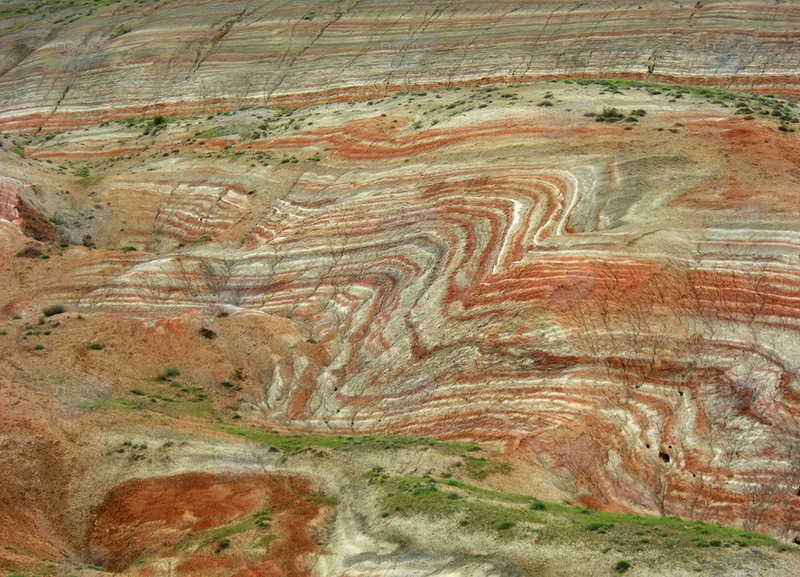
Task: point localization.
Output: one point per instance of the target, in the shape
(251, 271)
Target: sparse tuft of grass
(321, 500)
(223, 544)
(171, 371)
(481, 467)
(609, 115)
(622, 566)
(230, 385)
(53, 310)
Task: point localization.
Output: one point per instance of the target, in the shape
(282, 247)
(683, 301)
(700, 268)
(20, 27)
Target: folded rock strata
(619, 306)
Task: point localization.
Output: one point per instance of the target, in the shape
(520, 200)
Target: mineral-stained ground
(395, 289)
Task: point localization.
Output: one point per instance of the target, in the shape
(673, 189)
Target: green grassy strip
(709, 92)
(291, 443)
(558, 523)
(509, 497)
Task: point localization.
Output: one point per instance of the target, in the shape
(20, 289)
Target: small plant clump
(262, 519)
(230, 385)
(53, 310)
(95, 346)
(609, 115)
(171, 371)
(622, 566)
(223, 544)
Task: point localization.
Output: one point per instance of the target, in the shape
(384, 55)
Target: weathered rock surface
(613, 303)
(65, 64)
(609, 302)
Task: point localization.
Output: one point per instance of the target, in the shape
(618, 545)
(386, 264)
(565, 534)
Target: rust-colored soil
(207, 524)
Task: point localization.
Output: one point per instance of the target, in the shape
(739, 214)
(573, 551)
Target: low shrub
(230, 385)
(53, 310)
(622, 566)
(223, 544)
(171, 371)
(609, 115)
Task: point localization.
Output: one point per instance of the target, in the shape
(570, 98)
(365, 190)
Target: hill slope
(589, 284)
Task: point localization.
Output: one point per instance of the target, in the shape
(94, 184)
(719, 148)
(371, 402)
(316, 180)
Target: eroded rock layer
(616, 304)
(158, 516)
(64, 64)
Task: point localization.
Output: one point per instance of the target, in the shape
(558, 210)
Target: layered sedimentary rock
(65, 64)
(615, 302)
(617, 305)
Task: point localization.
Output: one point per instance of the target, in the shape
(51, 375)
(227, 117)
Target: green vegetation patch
(782, 110)
(482, 467)
(290, 443)
(215, 535)
(477, 509)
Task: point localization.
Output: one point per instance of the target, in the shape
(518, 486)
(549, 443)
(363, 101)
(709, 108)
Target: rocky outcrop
(64, 66)
(18, 214)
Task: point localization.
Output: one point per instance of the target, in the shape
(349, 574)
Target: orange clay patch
(208, 524)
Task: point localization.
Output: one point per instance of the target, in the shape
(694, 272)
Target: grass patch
(214, 536)
(321, 500)
(481, 467)
(118, 404)
(293, 443)
(557, 524)
(53, 310)
(488, 493)
(171, 371)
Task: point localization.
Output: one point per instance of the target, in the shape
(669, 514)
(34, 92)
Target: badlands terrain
(399, 289)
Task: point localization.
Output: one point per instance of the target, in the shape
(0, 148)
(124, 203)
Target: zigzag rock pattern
(612, 316)
(615, 302)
